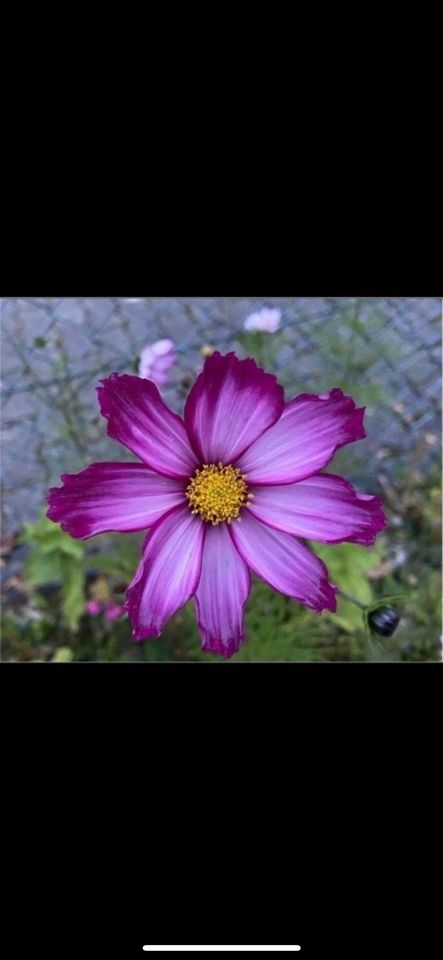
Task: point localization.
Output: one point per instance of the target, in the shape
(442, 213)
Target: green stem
(358, 603)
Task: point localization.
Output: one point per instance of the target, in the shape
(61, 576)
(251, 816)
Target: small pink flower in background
(156, 360)
(110, 609)
(268, 319)
(93, 607)
(113, 611)
(240, 453)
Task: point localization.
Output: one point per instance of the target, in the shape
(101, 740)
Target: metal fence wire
(386, 352)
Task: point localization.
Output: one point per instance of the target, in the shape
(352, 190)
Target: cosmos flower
(93, 607)
(268, 319)
(233, 487)
(156, 360)
(113, 611)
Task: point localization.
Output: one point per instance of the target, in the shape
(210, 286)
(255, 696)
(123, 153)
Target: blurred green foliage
(348, 567)
(56, 557)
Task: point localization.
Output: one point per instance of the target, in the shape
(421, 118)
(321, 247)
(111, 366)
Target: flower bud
(383, 621)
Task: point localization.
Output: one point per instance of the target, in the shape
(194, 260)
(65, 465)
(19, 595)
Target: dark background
(301, 799)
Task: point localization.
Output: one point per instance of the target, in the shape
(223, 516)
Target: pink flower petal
(231, 403)
(162, 364)
(114, 611)
(112, 496)
(162, 347)
(310, 430)
(284, 563)
(168, 573)
(138, 418)
(146, 361)
(156, 359)
(93, 608)
(323, 507)
(268, 319)
(222, 593)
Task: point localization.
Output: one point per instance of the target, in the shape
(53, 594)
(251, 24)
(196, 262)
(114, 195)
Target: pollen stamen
(217, 493)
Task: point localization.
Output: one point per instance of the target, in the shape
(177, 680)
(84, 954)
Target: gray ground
(55, 350)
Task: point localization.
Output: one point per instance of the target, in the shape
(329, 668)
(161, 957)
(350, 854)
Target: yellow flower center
(217, 493)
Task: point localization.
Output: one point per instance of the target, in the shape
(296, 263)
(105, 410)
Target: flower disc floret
(217, 493)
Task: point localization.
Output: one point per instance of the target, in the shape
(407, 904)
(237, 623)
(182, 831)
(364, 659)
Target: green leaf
(348, 565)
(48, 539)
(348, 616)
(38, 532)
(73, 591)
(62, 655)
(106, 563)
(119, 555)
(72, 547)
(41, 568)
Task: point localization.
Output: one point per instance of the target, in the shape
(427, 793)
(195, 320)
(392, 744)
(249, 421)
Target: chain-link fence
(386, 352)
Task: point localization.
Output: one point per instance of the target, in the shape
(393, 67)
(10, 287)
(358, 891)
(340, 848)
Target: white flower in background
(156, 360)
(133, 299)
(268, 318)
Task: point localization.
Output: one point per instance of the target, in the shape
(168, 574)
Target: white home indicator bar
(220, 949)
